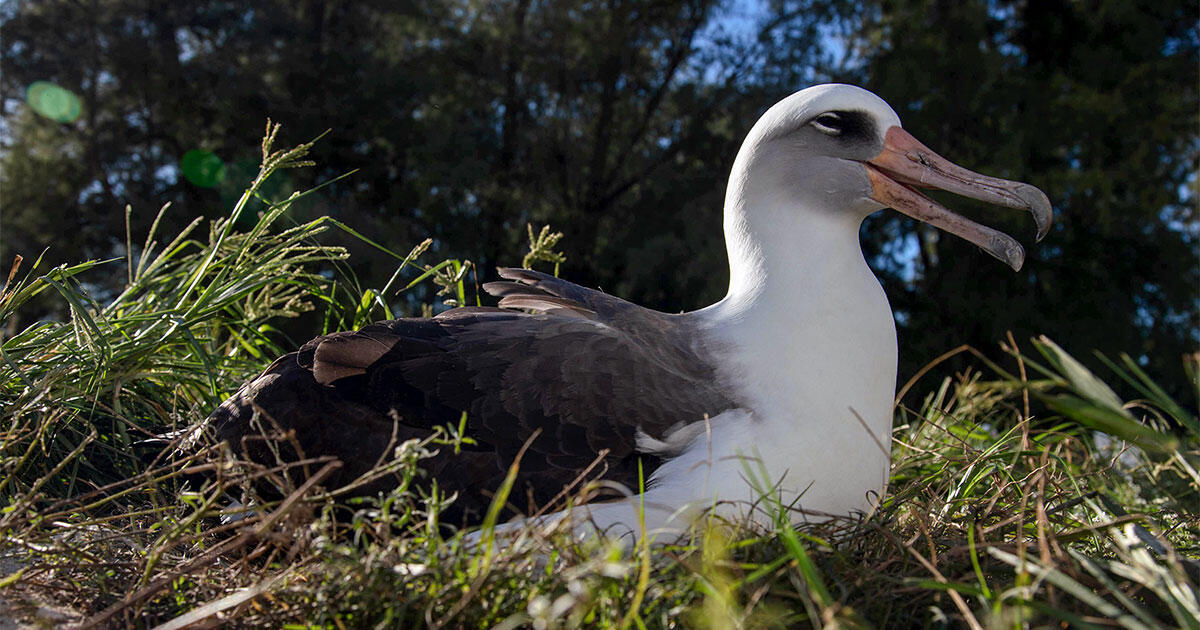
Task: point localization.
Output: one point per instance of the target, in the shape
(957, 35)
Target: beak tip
(1008, 250)
(1042, 231)
(1039, 206)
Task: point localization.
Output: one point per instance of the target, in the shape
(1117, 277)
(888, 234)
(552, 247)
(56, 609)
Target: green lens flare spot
(53, 102)
(202, 168)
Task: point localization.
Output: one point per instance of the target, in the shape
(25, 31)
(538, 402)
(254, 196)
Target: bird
(782, 390)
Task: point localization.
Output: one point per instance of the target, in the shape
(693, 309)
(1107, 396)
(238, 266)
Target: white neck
(808, 323)
(790, 257)
(809, 342)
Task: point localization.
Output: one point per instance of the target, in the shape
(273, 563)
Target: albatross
(782, 388)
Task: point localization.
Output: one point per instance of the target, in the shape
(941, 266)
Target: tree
(1095, 103)
(617, 122)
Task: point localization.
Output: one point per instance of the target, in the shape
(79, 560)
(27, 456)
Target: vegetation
(1008, 508)
(617, 123)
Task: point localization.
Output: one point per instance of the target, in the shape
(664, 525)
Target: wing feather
(591, 372)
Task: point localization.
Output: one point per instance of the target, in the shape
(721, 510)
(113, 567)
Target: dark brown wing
(586, 372)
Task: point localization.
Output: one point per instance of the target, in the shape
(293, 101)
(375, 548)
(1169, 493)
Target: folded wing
(584, 372)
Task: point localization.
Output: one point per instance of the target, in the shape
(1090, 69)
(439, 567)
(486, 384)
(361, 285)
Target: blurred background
(617, 122)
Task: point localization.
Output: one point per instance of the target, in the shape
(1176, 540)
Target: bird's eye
(830, 123)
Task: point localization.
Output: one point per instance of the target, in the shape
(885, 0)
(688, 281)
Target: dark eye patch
(852, 125)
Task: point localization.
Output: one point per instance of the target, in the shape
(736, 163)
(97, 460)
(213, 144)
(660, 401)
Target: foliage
(1093, 102)
(999, 514)
(618, 123)
(465, 120)
(541, 248)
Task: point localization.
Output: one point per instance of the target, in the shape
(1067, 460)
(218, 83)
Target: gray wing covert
(585, 372)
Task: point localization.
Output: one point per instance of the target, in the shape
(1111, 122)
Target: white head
(810, 146)
(825, 157)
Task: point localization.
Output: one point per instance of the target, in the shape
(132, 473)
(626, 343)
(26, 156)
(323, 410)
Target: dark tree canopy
(617, 122)
(1095, 103)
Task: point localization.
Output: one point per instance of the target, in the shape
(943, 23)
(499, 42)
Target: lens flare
(53, 102)
(202, 168)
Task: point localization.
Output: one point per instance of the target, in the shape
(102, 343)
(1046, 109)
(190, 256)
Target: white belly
(817, 378)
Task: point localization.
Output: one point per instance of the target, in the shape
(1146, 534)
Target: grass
(1004, 509)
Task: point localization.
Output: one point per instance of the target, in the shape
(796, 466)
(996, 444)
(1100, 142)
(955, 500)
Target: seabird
(783, 387)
